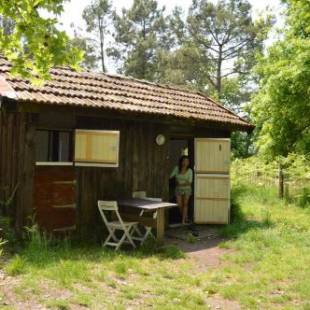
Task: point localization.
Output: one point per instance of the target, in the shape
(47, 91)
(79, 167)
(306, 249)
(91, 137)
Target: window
(96, 148)
(53, 146)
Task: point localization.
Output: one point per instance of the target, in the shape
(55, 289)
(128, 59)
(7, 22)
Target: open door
(212, 182)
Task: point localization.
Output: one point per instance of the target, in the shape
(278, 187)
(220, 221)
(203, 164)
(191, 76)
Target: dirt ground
(205, 253)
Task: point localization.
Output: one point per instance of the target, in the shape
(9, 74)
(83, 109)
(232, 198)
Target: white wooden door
(212, 182)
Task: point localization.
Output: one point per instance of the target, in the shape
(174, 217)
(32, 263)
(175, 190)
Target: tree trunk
(101, 44)
(219, 72)
(281, 182)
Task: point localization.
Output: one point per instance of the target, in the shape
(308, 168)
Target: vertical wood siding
(142, 166)
(17, 163)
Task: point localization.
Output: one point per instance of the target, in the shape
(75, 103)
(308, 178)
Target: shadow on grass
(40, 252)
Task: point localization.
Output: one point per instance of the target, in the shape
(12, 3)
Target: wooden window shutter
(99, 148)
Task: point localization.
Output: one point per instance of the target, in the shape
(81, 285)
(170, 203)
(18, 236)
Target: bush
(303, 200)
(7, 231)
(16, 266)
(2, 243)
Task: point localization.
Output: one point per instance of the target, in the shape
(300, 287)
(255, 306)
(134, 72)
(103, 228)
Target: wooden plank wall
(142, 166)
(17, 163)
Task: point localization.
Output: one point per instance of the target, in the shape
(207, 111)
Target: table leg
(160, 224)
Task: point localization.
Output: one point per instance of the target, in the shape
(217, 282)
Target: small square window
(53, 146)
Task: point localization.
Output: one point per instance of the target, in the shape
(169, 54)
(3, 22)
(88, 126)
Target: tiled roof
(87, 89)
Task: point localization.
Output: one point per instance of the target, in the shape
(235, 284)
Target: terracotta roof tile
(89, 89)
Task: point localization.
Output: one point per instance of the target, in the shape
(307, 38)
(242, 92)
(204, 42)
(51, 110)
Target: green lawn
(268, 267)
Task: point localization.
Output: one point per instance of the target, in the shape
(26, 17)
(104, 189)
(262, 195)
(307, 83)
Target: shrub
(2, 242)
(16, 266)
(303, 200)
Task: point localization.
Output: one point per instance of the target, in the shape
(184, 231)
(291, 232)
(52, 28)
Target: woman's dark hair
(181, 160)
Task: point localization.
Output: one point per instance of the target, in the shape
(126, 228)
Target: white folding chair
(139, 194)
(148, 229)
(128, 228)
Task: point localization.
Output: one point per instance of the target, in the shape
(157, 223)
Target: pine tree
(98, 18)
(139, 35)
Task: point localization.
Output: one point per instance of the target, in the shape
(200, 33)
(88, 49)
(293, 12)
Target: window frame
(71, 148)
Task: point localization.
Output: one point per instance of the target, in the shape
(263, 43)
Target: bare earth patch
(205, 254)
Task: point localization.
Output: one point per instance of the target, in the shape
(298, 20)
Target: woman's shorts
(183, 191)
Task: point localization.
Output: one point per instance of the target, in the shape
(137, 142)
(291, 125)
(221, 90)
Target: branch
(211, 80)
(234, 49)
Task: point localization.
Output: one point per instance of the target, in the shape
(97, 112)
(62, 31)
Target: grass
(268, 267)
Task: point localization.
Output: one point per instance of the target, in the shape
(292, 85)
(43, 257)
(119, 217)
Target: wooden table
(145, 204)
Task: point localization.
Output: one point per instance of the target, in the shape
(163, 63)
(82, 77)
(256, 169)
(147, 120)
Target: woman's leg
(185, 209)
(180, 204)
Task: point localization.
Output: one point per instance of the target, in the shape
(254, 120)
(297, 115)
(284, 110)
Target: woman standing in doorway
(184, 178)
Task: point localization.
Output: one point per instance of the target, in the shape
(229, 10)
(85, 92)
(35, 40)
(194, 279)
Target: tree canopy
(140, 34)
(281, 108)
(33, 43)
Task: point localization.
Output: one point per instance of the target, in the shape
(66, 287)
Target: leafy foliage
(87, 45)
(33, 43)
(257, 171)
(281, 108)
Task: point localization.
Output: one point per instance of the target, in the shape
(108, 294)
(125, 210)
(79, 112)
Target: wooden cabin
(86, 136)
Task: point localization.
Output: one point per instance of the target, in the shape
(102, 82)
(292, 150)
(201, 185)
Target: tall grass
(269, 267)
(257, 171)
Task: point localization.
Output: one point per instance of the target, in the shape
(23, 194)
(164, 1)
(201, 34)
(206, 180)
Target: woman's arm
(174, 172)
(189, 177)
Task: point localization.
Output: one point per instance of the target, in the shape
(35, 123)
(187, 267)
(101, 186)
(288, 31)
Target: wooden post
(160, 226)
(281, 182)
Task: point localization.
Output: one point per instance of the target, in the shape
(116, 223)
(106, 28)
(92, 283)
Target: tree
(35, 44)
(86, 45)
(215, 52)
(6, 25)
(97, 17)
(140, 35)
(227, 37)
(281, 108)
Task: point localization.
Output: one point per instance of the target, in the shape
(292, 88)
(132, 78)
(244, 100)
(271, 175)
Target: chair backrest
(108, 206)
(153, 199)
(139, 194)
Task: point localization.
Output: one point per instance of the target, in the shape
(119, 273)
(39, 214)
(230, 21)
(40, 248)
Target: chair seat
(118, 224)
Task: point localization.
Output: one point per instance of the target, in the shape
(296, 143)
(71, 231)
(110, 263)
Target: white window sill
(78, 164)
(54, 163)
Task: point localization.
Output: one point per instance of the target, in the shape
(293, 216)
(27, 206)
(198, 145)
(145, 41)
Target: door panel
(54, 197)
(212, 186)
(212, 199)
(212, 183)
(212, 155)
(211, 212)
